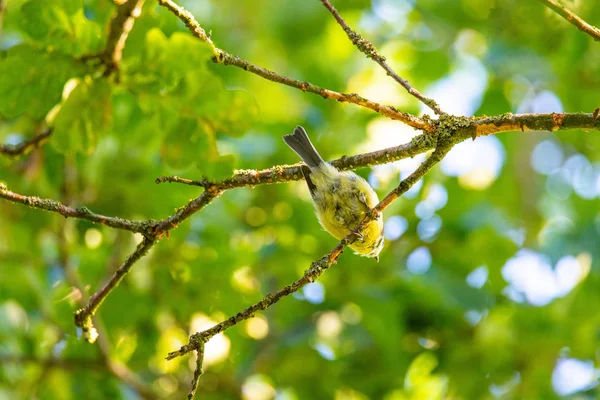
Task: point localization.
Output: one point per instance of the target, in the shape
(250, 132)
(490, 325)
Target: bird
(342, 199)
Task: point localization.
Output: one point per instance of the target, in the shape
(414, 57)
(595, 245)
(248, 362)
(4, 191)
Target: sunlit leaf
(27, 85)
(238, 115)
(220, 168)
(189, 140)
(61, 25)
(83, 116)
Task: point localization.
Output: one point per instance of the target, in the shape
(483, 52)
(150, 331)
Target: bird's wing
(311, 185)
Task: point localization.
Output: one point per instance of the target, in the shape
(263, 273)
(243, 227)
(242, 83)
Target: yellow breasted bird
(341, 198)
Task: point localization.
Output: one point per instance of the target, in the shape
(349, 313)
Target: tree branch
(198, 340)
(143, 227)
(26, 145)
(458, 128)
(370, 51)
(449, 131)
(83, 316)
(535, 122)
(288, 173)
(223, 57)
(464, 127)
(210, 193)
(572, 18)
(115, 367)
(118, 31)
(197, 370)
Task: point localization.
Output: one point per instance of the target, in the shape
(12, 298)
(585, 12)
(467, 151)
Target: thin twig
(471, 127)
(370, 51)
(191, 208)
(119, 29)
(143, 227)
(570, 16)
(177, 179)
(463, 127)
(460, 128)
(316, 269)
(83, 317)
(115, 367)
(223, 57)
(288, 173)
(197, 370)
(26, 145)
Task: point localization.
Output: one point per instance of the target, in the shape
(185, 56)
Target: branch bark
(119, 29)
(143, 227)
(445, 128)
(198, 340)
(371, 52)
(440, 134)
(571, 17)
(83, 316)
(26, 145)
(223, 57)
(65, 228)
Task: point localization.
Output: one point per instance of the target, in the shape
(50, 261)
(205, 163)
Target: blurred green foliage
(441, 316)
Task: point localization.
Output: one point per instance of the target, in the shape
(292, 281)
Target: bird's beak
(377, 258)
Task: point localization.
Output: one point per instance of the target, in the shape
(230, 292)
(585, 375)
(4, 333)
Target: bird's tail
(300, 143)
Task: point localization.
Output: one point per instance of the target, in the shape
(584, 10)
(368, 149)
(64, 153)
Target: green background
(408, 327)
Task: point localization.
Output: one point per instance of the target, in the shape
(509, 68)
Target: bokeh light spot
(257, 327)
(314, 292)
(329, 325)
(395, 226)
(258, 387)
(419, 261)
(571, 375)
(478, 277)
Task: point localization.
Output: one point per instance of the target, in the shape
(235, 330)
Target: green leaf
(61, 25)
(168, 59)
(420, 370)
(220, 169)
(27, 85)
(83, 115)
(189, 140)
(229, 112)
(238, 116)
(33, 17)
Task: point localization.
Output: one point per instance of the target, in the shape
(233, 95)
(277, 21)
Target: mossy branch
(370, 51)
(223, 57)
(198, 340)
(573, 18)
(83, 316)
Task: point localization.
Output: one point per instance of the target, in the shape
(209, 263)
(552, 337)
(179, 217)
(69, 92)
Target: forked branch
(223, 57)
(198, 340)
(370, 51)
